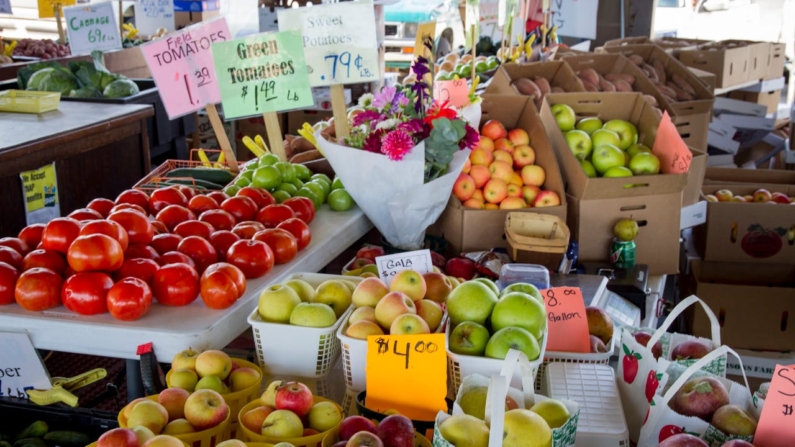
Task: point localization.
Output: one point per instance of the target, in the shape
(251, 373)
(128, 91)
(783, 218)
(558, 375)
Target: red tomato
(222, 240)
(59, 234)
(161, 198)
(218, 291)
(186, 190)
(102, 206)
(160, 227)
(134, 197)
(8, 280)
(243, 208)
(47, 259)
(194, 228)
(253, 258)
(129, 299)
(31, 235)
(141, 251)
(86, 293)
(260, 196)
(281, 242)
(137, 268)
(247, 230)
(175, 257)
(231, 271)
(273, 215)
(17, 244)
(299, 229)
(128, 206)
(175, 285)
(85, 214)
(174, 215)
(95, 252)
(200, 250)
(219, 219)
(139, 229)
(218, 196)
(108, 228)
(164, 243)
(201, 203)
(11, 257)
(303, 207)
(38, 289)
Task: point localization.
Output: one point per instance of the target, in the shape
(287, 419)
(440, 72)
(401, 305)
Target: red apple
(690, 350)
(724, 195)
(118, 437)
(643, 338)
(355, 424)
(296, 397)
(396, 431)
(367, 439)
(460, 268)
(780, 197)
(370, 253)
(683, 440)
(700, 397)
(762, 195)
(494, 130)
(546, 198)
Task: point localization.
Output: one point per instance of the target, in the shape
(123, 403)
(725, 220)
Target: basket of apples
(358, 431)
(411, 304)
(294, 323)
(138, 436)
(236, 380)
(288, 412)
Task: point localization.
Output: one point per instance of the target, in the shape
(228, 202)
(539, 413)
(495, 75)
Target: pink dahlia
(396, 145)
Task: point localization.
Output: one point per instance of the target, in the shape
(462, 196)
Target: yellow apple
(150, 414)
(363, 329)
(409, 282)
(334, 293)
(431, 312)
(362, 314)
(185, 359)
(465, 430)
(178, 427)
(523, 428)
(304, 290)
(243, 378)
(215, 363)
(164, 441)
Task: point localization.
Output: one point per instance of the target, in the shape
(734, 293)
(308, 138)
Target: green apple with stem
(627, 132)
(518, 309)
(564, 116)
(471, 301)
(469, 338)
(579, 143)
(606, 157)
(589, 125)
(512, 338)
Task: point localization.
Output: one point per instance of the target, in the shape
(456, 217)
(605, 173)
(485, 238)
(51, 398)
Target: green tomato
(288, 187)
(298, 183)
(481, 67)
(302, 172)
(281, 196)
(287, 170)
(267, 177)
(242, 181)
(247, 174)
(268, 160)
(326, 186)
(340, 200)
(322, 177)
(308, 193)
(336, 184)
(318, 190)
(465, 71)
(251, 165)
(232, 190)
(443, 76)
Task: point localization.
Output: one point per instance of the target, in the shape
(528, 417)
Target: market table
(99, 150)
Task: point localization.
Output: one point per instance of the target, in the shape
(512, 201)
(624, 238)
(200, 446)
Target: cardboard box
(731, 66)
(768, 99)
(695, 178)
(694, 129)
(558, 73)
(674, 45)
(183, 19)
(775, 61)
(630, 107)
(752, 176)
(705, 76)
(755, 233)
(754, 303)
(468, 229)
(129, 62)
(758, 365)
(627, 41)
(591, 223)
(758, 59)
(196, 5)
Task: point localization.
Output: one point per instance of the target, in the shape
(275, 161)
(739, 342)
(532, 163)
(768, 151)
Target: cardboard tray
(557, 73)
(753, 176)
(732, 66)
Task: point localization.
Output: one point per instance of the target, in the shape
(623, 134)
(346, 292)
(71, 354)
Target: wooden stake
(121, 20)
(472, 28)
(223, 139)
(340, 111)
(61, 34)
(274, 134)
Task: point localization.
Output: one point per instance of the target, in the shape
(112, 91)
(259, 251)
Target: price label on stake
(407, 373)
(40, 194)
(21, 369)
(669, 147)
(92, 28)
(47, 7)
(777, 423)
(150, 15)
(339, 41)
(388, 266)
(567, 322)
(424, 31)
(183, 68)
(456, 92)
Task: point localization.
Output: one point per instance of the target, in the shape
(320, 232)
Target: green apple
(313, 315)
(626, 229)
(518, 309)
(626, 131)
(335, 294)
(588, 168)
(512, 338)
(637, 148)
(553, 411)
(282, 424)
(324, 416)
(579, 143)
(276, 303)
(606, 157)
(183, 378)
(471, 301)
(618, 171)
(469, 338)
(465, 430)
(525, 288)
(564, 116)
(604, 136)
(490, 284)
(644, 163)
(443, 76)
(304, 290)
(473, 402)
(267, 177)
(589, 125)
(211, 383)
(302, 172)
(268, 160)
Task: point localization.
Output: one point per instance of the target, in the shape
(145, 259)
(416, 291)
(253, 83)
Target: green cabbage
(58, 81)
(121, 88)
(34, 82)
(85, 92)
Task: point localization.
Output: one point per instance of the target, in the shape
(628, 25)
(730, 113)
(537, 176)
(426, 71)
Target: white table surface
(173, 329)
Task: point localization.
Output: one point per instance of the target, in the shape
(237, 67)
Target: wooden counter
(99, 150)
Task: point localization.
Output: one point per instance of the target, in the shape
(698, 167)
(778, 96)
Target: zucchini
(68, 438)
(214, 175)
(200, 184)
(35, 430)
(32, 442)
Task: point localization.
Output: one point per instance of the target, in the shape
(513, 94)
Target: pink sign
(183, 69)
(456, 92)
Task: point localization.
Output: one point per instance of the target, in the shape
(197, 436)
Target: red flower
(443, 111)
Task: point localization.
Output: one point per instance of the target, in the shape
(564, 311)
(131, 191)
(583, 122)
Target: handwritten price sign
(339, 41)
(92, 28)
(456, 92)
(262, 73)
(407, 373)
(22, 368)
(153, 14)
(669, 147)
(418, 260)
(777, 423)
(566, 320)
(183, 68)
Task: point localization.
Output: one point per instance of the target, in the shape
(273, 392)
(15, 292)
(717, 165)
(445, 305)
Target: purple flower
(373, 141)
(368, 116)
(384, 97)
(396, 145)
(470, 139)
(403, 101)
(415, 127)
(420, 68)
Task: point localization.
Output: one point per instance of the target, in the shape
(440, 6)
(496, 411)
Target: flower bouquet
(402, 156)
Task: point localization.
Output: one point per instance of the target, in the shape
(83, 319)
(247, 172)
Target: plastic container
(334, 435)
(419, 425)
(537, 275)
(238, 399)
(204, 438)
(602, 358)
(536, 239)
(305, 441)
(170, 165)
(22, 101)
(593, 387)
(283, 349)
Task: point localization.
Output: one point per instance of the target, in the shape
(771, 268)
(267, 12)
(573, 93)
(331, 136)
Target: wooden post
(340, 111)
(61, 34)
(474, 53)
(121, 20)
(274, 135)
(223, 140)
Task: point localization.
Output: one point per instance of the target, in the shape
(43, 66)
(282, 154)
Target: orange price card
(407, 373)
(669, 147)
(455, 91)
(566, 320)
(777, 423)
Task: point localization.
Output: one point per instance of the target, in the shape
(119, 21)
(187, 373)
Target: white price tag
(21, 368)
(92, 27)
(5, 7)
(151, 15)
(339, 41)
(419, 261)
(268, 20)
(575, 18)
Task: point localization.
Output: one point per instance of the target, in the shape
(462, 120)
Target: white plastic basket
(354, 356)
(460, 366)
(329, 386)
(288, 350)
(602, 422)
(602, 358)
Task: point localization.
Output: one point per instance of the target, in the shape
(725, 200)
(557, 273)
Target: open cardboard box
(468, 229)
(753, 233)
(753, 176)
(674, 45)
(627, 41)
(753, 302)
(557, 73)
(775, 61)
(732, 66)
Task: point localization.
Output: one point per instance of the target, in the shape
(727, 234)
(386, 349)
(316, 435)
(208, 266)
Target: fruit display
(673, 87)
(609, 149)
(600, 329)
(140, 436)
(297, 303)
(363, 263)
(452, 65)
(357, 431)
(759, 196)
(613, 82)
(214, 370)
(41, 48)
(487, 322)
(501, 173)
(177, 412)
(708, 399)
(537, 88)
(79, 79)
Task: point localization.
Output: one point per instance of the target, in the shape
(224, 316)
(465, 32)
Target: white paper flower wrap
(472, 114)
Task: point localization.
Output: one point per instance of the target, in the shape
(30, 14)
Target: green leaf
(637, 356)
(626, 349)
